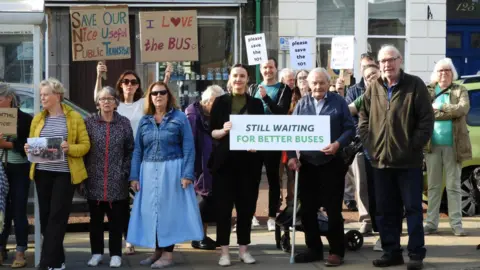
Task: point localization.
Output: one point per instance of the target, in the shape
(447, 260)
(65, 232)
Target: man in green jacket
(395, 124)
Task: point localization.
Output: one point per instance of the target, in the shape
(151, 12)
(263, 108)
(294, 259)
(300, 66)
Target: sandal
(162, 263)
(19, 263)
(129, 250)
(150, 260)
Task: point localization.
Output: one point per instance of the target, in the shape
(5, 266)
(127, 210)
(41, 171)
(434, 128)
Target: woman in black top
(234, 182)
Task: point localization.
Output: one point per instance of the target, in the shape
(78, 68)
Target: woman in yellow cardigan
(56, 182)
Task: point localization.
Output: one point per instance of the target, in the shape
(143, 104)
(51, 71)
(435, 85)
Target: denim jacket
(172, 139)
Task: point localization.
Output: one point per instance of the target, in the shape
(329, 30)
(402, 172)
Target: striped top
(11, 155)
(55, 127)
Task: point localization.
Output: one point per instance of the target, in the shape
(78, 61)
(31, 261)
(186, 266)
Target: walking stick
(292, 256)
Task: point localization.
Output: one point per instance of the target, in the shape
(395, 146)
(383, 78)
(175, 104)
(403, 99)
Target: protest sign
(45, 150)
(342, 56)
(168, 36)
(275, 132)
(100, 33)
(301, 54)
(256, 49)
(8, 121)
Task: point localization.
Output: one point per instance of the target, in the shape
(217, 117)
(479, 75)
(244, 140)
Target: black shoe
(387, 261)
(210, 241)
(204, 244)
(285, 243)
(351, 205)
(309, 256)
(415, 265)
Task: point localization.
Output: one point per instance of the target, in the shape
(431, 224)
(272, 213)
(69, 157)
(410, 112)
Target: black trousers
(55, 193)
(235, 184)
(372, 208)
(271, 160)
(117, 212)
(323, 185)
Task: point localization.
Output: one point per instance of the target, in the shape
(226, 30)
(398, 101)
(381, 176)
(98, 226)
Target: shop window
(216, 55)
(335, 17)
(16, 58)
(473, 117)
(454, 40)
(323, 47)
(386, 17)
(375, 44)
(475, 40)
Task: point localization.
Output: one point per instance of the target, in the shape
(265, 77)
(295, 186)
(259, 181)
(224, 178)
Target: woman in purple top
(198, 114)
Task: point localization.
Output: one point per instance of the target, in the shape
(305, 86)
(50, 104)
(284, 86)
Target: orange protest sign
(169, 36)
(100, 33)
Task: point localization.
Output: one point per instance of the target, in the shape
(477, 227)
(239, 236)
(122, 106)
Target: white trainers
(224, 260)
(95, 260)
(115, 261)
(246, 258)
(378, 245)
(255, 222)
(271, 225)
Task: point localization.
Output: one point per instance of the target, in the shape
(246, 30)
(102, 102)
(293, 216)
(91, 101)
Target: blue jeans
(394, 190)
(16, 209)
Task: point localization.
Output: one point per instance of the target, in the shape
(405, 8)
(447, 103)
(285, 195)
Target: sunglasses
(161, 92)
(127, 81)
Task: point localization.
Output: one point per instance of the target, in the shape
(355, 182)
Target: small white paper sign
(279, 132)
(301, 54)
(342, 56)
(256, 49)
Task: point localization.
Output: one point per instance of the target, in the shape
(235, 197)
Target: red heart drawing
(175, 21)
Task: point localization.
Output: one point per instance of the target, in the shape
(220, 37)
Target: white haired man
(322, 173)
(396, 122)
(287, 76)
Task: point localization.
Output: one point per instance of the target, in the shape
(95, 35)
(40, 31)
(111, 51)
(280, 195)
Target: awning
(146, 3)
(22, 11)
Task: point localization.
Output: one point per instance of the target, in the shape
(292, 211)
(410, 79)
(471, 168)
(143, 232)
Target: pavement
(444, 251)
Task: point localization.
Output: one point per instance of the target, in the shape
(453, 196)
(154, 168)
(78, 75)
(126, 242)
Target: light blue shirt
(442, 129)
(272, 92)
(319, 104)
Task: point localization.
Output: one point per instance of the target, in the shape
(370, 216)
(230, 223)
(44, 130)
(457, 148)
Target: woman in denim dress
(162, 175)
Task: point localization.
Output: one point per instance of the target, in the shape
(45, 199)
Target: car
(470, 177)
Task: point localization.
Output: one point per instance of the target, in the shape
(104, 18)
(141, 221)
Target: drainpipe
(257, 31)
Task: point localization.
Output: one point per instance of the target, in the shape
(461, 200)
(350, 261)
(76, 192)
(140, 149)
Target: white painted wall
(425, 39)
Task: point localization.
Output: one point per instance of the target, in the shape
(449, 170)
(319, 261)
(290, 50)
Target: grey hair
(388, 48)
(442, 63)
(109, 90)
(7, 91)
(55, 86)
(211, 91)
(284, 73)
(318, 70)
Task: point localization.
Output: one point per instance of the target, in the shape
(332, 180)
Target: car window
(473, 117)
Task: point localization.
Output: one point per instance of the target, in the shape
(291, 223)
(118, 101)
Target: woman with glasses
(129, 90)
(165, 211)
(301, 83)
(108, 166)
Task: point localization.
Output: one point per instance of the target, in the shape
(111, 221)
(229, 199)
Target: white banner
(279, 132)
(342, 55)
(256, 49)
(301, 54)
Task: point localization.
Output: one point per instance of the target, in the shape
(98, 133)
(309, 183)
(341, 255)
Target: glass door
(217, 53)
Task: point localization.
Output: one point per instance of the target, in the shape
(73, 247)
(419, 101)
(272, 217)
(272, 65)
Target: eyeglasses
(106, 99)
(445, 70)
(388, 60)
(161, 92)
(127, 81)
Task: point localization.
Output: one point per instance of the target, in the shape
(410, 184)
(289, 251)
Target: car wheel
(468, 190)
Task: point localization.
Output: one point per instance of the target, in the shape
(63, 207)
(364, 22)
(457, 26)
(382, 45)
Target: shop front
(219, 39)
